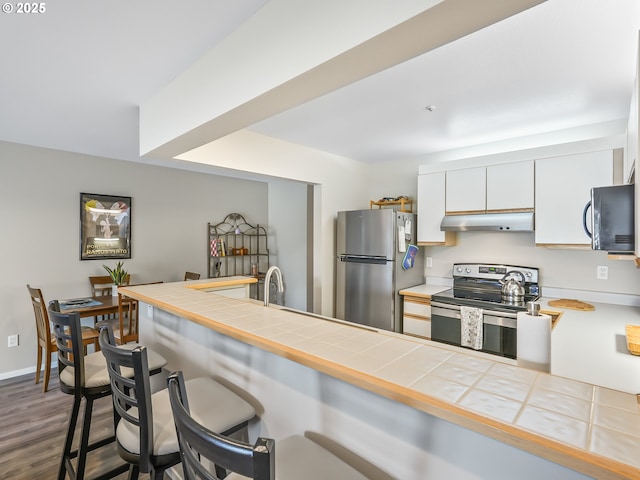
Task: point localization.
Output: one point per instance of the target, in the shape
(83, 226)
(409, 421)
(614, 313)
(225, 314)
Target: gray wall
(39, 207)
(288, 238)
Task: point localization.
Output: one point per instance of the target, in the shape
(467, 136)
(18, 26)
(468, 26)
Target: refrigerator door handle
(362, 259)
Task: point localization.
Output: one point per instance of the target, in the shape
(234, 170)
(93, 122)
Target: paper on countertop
(75, 303)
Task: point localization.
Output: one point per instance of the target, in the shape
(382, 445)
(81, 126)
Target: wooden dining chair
(101, 284)
(46, 341)
(191, 276)
(127, 328)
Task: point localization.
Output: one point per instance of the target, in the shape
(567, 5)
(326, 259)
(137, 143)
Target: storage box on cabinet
(417, 316)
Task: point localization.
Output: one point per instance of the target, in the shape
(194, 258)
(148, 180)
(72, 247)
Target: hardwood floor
(33, 429)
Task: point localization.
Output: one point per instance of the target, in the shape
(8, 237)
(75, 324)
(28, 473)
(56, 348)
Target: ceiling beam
(234, 86)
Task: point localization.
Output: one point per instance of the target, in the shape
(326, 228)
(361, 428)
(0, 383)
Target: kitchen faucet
(267, 281)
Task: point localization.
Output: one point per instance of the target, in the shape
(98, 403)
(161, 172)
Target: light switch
(150, 311)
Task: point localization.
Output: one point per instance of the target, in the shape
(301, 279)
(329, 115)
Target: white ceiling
(73, 78)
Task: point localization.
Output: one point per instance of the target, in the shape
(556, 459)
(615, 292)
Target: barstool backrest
(197, 443)
(131, 394)
(67, 331)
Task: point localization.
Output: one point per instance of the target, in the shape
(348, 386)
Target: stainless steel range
(496, 292)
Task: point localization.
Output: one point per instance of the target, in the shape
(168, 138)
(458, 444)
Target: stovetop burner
(479, 285)
(486, 300)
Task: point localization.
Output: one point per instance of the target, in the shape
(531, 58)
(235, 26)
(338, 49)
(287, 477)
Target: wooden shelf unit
(403, 202)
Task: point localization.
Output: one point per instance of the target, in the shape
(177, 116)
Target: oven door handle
(501, 319)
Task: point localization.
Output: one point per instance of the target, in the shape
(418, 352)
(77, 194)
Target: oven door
(499, 329)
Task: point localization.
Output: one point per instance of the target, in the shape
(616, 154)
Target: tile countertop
(590, 429)
(589, 346)
(424, 291)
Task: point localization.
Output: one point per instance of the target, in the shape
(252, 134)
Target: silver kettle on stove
(512, 290)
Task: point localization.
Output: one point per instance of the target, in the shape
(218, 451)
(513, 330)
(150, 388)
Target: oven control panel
(493, 271)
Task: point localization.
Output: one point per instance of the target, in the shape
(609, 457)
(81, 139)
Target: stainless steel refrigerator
(372, 246)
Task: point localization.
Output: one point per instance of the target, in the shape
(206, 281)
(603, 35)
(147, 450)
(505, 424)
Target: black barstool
(296, 457)
(145, 432)
(84, 377)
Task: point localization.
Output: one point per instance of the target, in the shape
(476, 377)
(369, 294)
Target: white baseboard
(25, 371)
(17, 373)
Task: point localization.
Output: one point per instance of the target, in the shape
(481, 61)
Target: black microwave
(612, 218)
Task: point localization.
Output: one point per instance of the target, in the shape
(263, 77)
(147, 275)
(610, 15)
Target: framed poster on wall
(105, 226)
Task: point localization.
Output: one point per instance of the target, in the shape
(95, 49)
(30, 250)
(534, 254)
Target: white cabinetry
(510, 186)
(631, 152)
(562, 189)
(416, 316)
(431, 206)
(633, 146)
(495, 188)
(466, 190)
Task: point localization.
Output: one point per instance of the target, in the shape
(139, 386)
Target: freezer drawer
(365, 293)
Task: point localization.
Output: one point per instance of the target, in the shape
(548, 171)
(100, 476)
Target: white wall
(559, 268)
(343, 186)
(39, 205)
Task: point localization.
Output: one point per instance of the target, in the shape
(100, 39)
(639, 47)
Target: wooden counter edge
(222, 283)
(564, 454)
(406, 293)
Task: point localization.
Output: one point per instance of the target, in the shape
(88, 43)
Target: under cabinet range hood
(500, 222)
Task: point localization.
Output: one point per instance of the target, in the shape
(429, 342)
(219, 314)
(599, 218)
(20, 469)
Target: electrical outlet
(150, 311)
(602, 272)
(429, 262)
(12, 340)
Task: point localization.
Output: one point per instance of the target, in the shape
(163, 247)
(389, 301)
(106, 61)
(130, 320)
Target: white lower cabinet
(416, 316)
(563, 189)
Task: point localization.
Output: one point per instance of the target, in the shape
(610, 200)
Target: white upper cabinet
(502, 187)
(633, 146)
(562, 189)
(510, 186)
(431, 198)
(466, 190)
(631, 152)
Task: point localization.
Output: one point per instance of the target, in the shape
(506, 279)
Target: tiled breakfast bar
(412, 408)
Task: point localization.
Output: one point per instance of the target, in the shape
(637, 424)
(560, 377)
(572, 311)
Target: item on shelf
(406, 204)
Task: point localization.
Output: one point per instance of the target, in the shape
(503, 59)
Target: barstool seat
(228, 411)
(95, 368)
